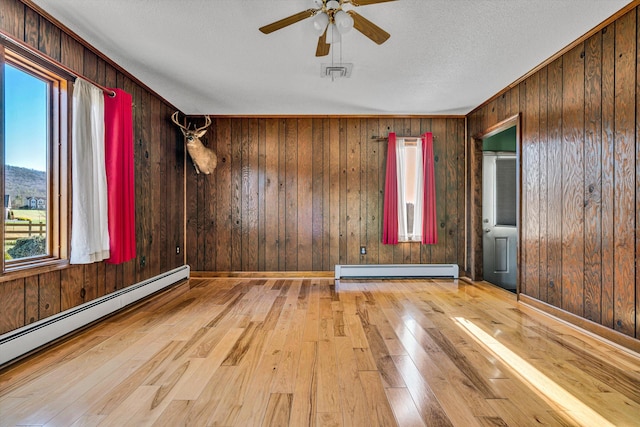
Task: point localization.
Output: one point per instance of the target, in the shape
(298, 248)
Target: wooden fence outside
(12, 232)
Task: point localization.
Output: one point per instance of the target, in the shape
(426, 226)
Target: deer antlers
(174, 119)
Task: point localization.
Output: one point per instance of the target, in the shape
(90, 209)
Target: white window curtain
(401, 170)
(419, 199)
(89, 227)
(410, 189)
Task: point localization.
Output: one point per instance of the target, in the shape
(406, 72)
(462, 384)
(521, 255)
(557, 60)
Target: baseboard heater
(396, 270)
(21, 341)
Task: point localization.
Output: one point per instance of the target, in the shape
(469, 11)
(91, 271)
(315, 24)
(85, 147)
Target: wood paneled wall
(580, 157)
(301, 194)
(159, 175)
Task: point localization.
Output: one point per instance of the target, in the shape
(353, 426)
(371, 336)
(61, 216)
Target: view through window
(410, 187)
(26, 145)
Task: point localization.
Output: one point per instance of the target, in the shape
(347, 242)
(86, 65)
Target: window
(409, 165)
(409, 191)
(505, 191)
(34, 162)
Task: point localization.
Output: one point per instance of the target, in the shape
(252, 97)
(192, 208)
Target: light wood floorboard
(303, 351)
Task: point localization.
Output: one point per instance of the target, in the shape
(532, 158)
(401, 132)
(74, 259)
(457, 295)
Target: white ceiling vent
(336, 71)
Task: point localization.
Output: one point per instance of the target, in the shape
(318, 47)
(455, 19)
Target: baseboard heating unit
(21, 341)
(396, 270)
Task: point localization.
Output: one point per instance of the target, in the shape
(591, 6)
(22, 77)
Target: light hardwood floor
(302, 352)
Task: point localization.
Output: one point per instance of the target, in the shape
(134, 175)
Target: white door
(499, 212)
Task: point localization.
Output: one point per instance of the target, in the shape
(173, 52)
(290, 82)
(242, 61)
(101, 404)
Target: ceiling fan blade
(288, 21)
(367, 2)
(323, 46)
(368, 28)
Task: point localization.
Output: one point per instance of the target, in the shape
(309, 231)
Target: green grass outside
(20, 217)
(36, 216)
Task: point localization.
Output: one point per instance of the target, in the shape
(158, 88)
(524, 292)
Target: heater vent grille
(336, 71)
(396, 270)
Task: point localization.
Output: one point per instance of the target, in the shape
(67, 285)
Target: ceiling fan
(331, 20)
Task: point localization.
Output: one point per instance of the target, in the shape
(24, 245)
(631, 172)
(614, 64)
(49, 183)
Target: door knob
(486, 230)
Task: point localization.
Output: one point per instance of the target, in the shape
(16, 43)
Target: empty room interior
(320, 213)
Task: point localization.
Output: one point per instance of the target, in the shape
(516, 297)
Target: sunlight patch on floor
(575, 408)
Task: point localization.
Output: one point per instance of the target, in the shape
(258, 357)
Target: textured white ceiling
(443, 57)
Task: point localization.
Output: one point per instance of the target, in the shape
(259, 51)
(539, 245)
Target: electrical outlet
(177, 249)
(363, 250)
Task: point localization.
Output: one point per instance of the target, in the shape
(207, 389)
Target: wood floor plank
(285, 379)
(205, 405)
(423, 396)
(614, 401)
(199, 375)
(312, 322)
(278, 410)
(87, 421)
(383, 362)
(258, 394)
(111, 400)
(338, 323)
(132, 410)
(328, 391)
(265, 303)
(72, 400)
(355, 410)
(238, 388)
(379, 407)
(536, 409)
(423, 368)
(355, 331)
(329, 419)
(243, 343)
(404, 408)
(173, 414)
(510, 414)
(314, 351)
(44, 362)
(304, 405)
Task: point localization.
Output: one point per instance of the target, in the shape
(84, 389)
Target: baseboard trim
(596, 330)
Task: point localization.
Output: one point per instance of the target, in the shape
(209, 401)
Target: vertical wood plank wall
(580, 177)
(159, 172)
(301, 194)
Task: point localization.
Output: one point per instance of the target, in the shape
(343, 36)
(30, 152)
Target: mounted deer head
(204, 159)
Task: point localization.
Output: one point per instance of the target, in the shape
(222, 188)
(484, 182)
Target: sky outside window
(25, 120)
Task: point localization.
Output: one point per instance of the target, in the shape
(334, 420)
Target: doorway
(503, 141)
(499, 218)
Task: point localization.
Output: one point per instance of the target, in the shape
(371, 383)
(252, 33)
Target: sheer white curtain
(89, 226)
(419, 199)
(401, 168)
(410, 190)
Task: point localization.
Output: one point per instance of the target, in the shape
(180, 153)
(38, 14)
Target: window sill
(31, 269)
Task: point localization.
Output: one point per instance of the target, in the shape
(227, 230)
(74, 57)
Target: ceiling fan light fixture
(320, 22)
(344, 21)
(333, 4)
(333, 35)
(331, 21)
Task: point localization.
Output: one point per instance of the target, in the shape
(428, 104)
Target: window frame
(58, 188)
(402, 143)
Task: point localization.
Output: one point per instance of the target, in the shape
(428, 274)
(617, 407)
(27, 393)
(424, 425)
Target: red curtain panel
(429, 223)
(119, 160)
(390, 218)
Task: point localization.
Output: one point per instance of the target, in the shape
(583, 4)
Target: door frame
(474, 198)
